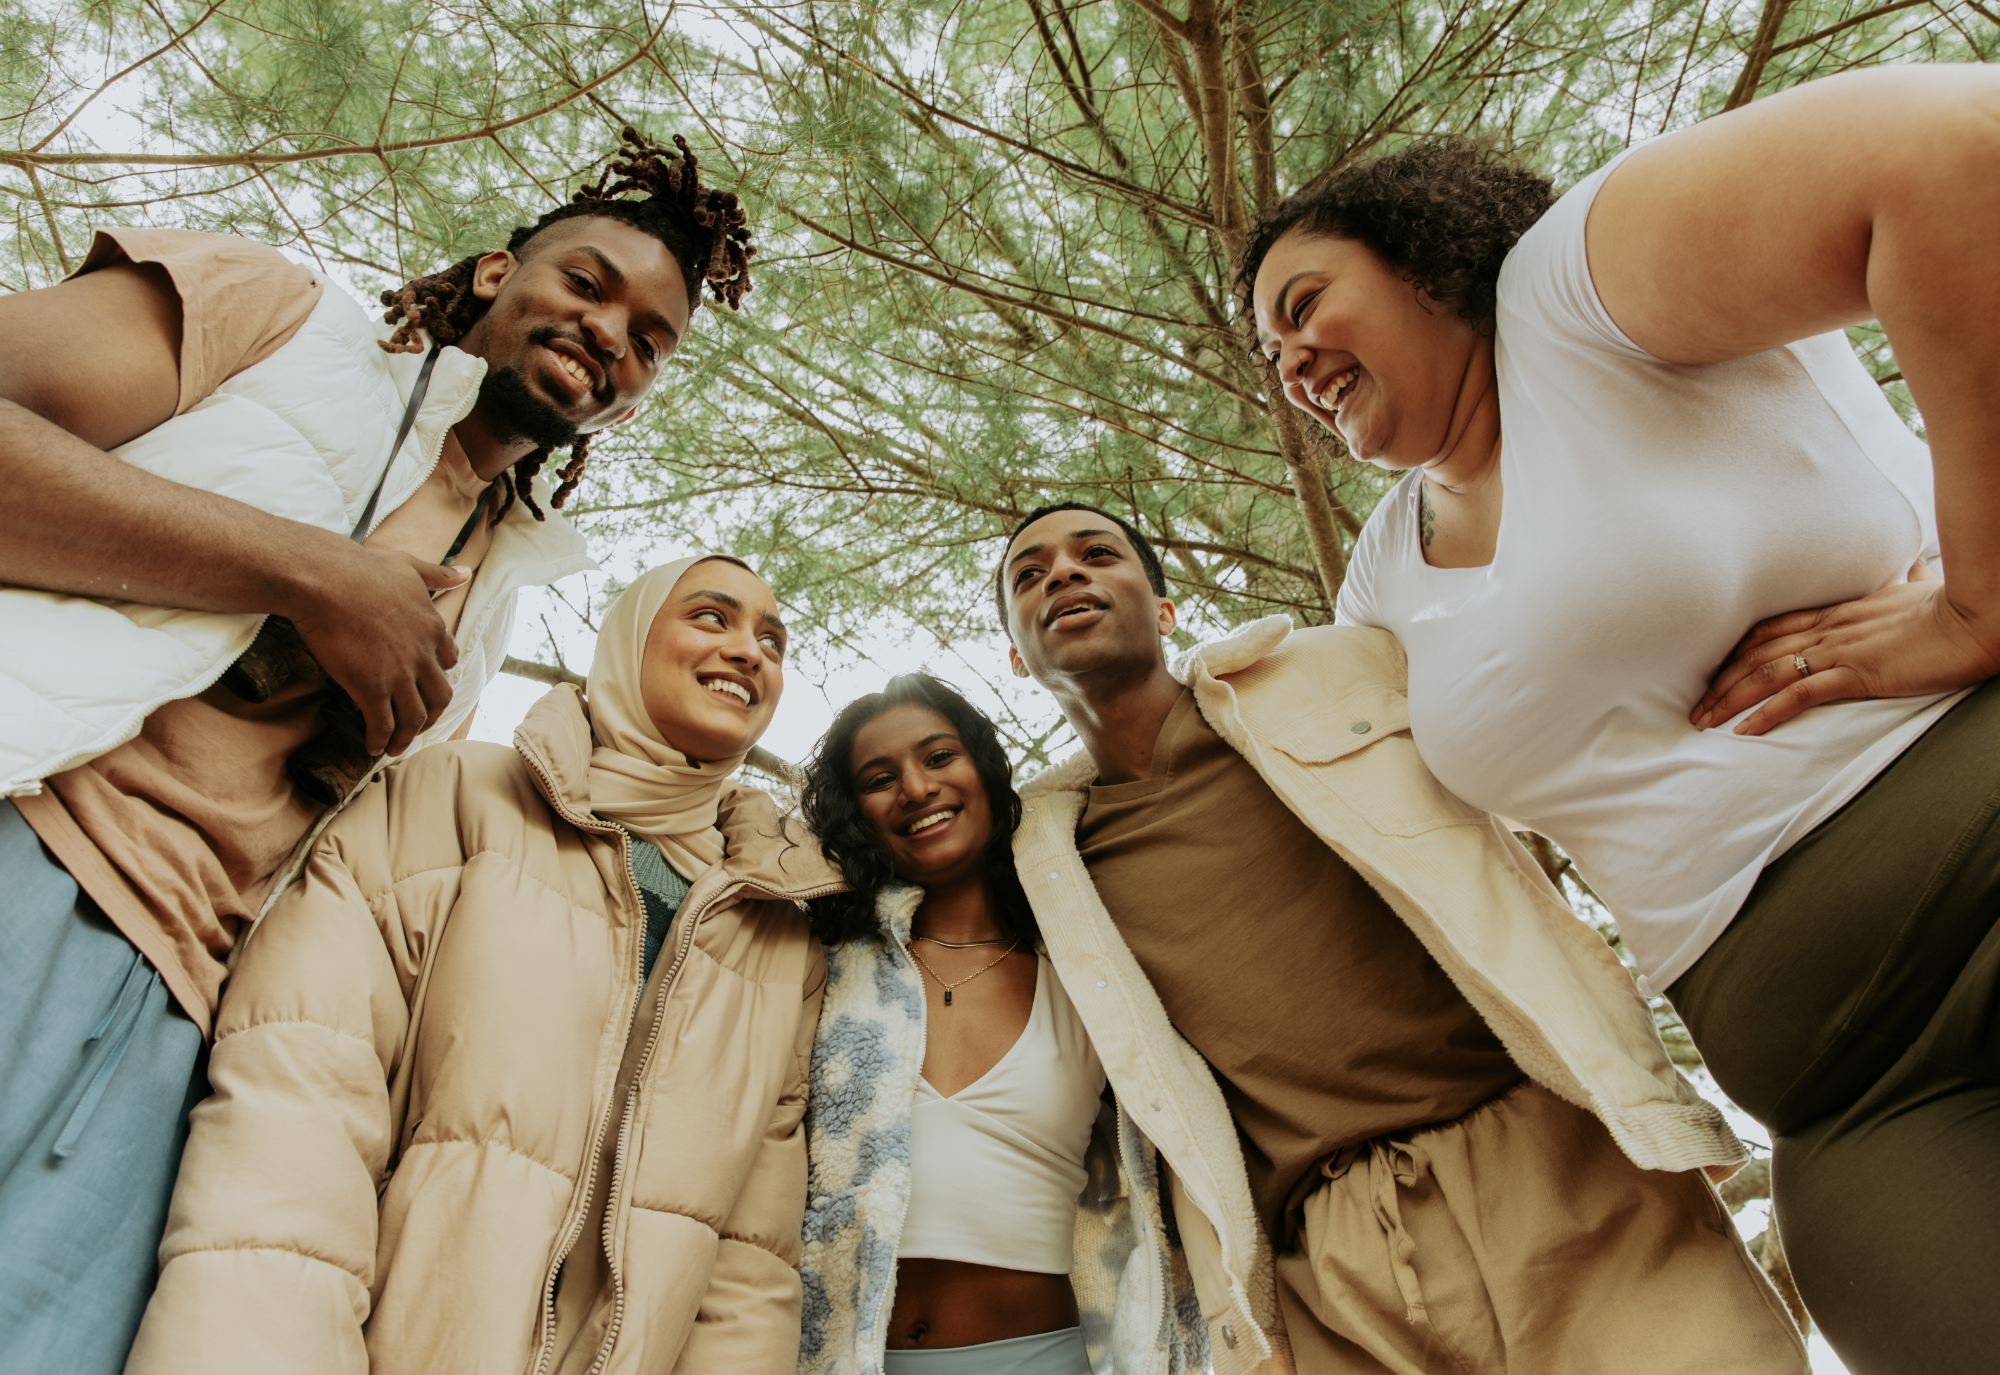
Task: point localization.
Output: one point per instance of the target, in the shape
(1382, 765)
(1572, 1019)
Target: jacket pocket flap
(1354, 722)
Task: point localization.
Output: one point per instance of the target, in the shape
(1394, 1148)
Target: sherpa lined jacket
(415, 1072)
(1322, 716)
(1133, 1289)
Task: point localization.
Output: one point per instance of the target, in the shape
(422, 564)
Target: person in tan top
(513, 1078)
(202, 472)
(1432, 1200)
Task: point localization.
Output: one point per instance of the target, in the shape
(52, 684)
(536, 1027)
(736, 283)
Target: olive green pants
(1853, 1008)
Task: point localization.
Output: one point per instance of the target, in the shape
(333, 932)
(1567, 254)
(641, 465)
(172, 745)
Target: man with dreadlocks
(218, 457)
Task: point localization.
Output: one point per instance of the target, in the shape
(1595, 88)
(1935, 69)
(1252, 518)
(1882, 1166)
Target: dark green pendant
(947, 997)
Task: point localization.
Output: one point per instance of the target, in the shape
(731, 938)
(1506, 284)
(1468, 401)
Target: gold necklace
(959, 945)
(948, 987)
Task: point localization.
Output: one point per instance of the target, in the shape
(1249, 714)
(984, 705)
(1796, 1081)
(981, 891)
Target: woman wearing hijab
(512, 1078)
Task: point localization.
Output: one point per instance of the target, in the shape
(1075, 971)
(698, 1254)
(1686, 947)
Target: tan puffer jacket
(421, 1119)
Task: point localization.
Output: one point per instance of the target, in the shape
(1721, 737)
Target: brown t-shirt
(1325, 1019)
(179, 832)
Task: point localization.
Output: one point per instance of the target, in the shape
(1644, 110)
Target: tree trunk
(1308, 474)
(1759, 55)
(1769, 1249)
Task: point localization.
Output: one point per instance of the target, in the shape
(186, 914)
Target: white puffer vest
(302, 435)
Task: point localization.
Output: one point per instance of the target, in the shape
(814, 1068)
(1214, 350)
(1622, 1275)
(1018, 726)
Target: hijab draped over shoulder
(637, 778)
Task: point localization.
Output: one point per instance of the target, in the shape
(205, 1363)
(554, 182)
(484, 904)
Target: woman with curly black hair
(1797, 845)
(953, 1119)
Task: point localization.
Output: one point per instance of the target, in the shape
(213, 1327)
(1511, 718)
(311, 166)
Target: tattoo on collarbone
(1426, 513)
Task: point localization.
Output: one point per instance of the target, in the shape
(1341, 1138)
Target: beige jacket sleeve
(269, 1252)
(749, 1316)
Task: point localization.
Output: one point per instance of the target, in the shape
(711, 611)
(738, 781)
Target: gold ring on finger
(1799, 663)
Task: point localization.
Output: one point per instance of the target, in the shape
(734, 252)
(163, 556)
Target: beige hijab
(637, 779)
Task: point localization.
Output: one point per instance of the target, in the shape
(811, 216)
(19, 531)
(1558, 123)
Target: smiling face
(921, 794)
(580, 325)
(1362, 352)
(715, 662)
(1079, 600)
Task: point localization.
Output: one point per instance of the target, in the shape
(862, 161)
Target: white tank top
(996, 1169)
(1652, 512)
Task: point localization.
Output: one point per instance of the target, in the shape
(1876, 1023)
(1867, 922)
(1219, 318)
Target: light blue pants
(97, 1074)
(1047, 1353)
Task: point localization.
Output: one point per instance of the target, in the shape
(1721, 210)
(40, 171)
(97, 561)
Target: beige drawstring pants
(1519, 1240)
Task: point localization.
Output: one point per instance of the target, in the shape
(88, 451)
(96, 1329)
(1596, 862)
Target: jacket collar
(896, 910)
(1235, 651)
(761, 849)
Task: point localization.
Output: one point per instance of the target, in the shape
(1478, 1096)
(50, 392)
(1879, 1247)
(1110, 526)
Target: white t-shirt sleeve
(1358, 603)
(1545, 282)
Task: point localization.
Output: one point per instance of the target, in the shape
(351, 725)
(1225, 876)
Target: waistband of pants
(1045, 1353)
(1338, 1162)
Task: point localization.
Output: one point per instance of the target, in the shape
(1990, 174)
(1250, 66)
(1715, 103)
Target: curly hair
(706, 230)
(1445, 211)
(848, 840)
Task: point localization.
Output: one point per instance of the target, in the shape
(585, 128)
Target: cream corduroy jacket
(1322, 716)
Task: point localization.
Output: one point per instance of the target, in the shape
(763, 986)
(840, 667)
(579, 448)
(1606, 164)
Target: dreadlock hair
(706, 230)
(847, 838)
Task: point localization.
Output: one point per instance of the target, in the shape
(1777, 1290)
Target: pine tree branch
(124, 72)
(1759, 55)
(28, 159)
(1189, 213)
(1832, 29)
(1001, 298)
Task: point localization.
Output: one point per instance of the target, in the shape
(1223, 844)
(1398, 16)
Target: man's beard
(516, 413)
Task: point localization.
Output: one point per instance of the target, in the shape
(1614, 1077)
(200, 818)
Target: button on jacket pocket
(1359, 750)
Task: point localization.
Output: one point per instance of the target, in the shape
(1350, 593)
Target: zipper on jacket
(673, 974)
(574, 1229)
(1141, 1227)
(430, 459)
(616, 1189)
(879, 1339)
(682, 946)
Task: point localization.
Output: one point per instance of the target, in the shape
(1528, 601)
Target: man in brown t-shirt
(129, 872)
(1430, 1207)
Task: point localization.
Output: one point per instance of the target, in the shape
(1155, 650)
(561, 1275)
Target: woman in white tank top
(952, 1125)
(1686, 620)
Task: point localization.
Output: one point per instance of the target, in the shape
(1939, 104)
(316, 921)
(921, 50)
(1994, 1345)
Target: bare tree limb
(1759, 56)
(29, 159)
(1035, 307)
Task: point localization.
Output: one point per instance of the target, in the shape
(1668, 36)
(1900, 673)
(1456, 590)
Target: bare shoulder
(1752, 229)
(128, 318)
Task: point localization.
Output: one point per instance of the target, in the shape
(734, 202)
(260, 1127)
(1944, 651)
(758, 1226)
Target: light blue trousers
(1047, 1353)
(97, 1074)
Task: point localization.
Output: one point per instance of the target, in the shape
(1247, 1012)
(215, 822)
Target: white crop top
(996, 1169)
